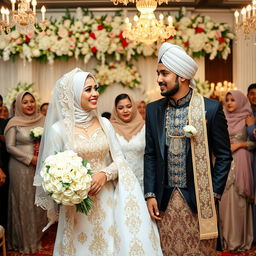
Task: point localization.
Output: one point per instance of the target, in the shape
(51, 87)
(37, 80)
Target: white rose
(189, 130)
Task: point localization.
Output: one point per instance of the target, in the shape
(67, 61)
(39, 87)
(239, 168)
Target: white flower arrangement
(87, 36)
(201, 36)
(120, 73)
(36, 133)
(204, 88)
(67, 179)
(21, 87)
(190, 131)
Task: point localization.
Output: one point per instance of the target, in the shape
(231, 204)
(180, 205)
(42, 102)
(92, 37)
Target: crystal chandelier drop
(246, 19)
(146, 28)
(24, 18)
(125, 2)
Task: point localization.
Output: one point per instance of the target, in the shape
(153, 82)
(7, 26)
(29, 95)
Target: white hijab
(81, 116)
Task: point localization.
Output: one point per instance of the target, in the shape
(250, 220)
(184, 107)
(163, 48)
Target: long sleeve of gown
(111, 171)
(10, 140)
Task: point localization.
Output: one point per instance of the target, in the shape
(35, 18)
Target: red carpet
(49, 237)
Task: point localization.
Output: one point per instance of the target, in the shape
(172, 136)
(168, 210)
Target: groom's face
(167, 80)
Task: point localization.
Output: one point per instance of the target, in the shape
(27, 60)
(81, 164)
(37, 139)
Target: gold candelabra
(221, 89)
(245, 20)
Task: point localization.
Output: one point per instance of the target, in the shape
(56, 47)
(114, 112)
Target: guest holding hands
(25, 220)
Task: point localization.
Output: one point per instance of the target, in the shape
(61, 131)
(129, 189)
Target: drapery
(44, 76)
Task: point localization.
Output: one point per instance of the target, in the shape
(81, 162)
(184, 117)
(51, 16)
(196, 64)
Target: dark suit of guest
(155, 158)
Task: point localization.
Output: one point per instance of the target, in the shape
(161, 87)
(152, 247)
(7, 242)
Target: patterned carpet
(49, 237)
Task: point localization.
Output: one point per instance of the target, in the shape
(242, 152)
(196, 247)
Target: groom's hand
(153, 208)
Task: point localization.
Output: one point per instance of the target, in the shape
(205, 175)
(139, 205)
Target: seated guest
(25, 220)
(142, 109)
(237, 199)
(130, 130)
(44, 108)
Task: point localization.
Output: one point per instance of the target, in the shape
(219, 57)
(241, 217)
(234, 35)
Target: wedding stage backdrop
(44, 75)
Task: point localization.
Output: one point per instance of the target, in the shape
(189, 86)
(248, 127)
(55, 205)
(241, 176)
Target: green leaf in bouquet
(65, 185)
(84, 163)
(47, 168)
(85, 205)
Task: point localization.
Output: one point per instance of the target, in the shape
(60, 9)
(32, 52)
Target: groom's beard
(173, 91)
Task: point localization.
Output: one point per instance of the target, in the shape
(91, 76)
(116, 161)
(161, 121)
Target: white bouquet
(190, 131)
(36, 133)
(67, 179)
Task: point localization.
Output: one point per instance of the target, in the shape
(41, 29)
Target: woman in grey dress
(25, 220)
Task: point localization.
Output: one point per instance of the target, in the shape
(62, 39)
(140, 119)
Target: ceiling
(212, 4)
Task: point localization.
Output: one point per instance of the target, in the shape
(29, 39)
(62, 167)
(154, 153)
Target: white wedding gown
(113, 226)
(133, 151)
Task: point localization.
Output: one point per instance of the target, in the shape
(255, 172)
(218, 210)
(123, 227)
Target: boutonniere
(190, 131)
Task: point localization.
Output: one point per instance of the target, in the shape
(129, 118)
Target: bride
(118, 223)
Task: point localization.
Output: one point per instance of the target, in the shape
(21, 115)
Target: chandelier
(246, 19)
(24, 18)
(125, 2)
(146, 28)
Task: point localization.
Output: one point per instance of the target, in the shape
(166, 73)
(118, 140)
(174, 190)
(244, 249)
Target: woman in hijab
(130, 130)
(236, 202)
(118, 222)
(25, 220)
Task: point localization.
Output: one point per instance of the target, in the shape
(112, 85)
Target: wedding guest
(237, 199)
(118, 222)
(130, 130)
(142, 109)
(4, 112)
(44, 108)
(12, 108)
(4, 176)
(25, 220)
(106, 114)
(251, 130)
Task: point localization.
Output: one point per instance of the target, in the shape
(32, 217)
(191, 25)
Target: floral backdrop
(101, 37)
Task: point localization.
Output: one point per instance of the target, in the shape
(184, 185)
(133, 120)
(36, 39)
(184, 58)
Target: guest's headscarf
(21, 119)
(178, 61)
(236, 120)
(242, 157)
(127, 129)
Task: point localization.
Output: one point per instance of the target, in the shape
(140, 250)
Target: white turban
(178, 61)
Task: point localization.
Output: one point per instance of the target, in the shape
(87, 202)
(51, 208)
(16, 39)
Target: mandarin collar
(180, 102)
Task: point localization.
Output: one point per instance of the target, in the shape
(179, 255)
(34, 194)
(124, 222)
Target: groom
(181, 180)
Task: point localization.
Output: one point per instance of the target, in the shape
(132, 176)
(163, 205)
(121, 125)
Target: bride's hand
(98, 181)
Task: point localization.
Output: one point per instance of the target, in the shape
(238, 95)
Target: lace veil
(64, 111)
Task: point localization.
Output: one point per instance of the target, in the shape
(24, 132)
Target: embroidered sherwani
(169, 176)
